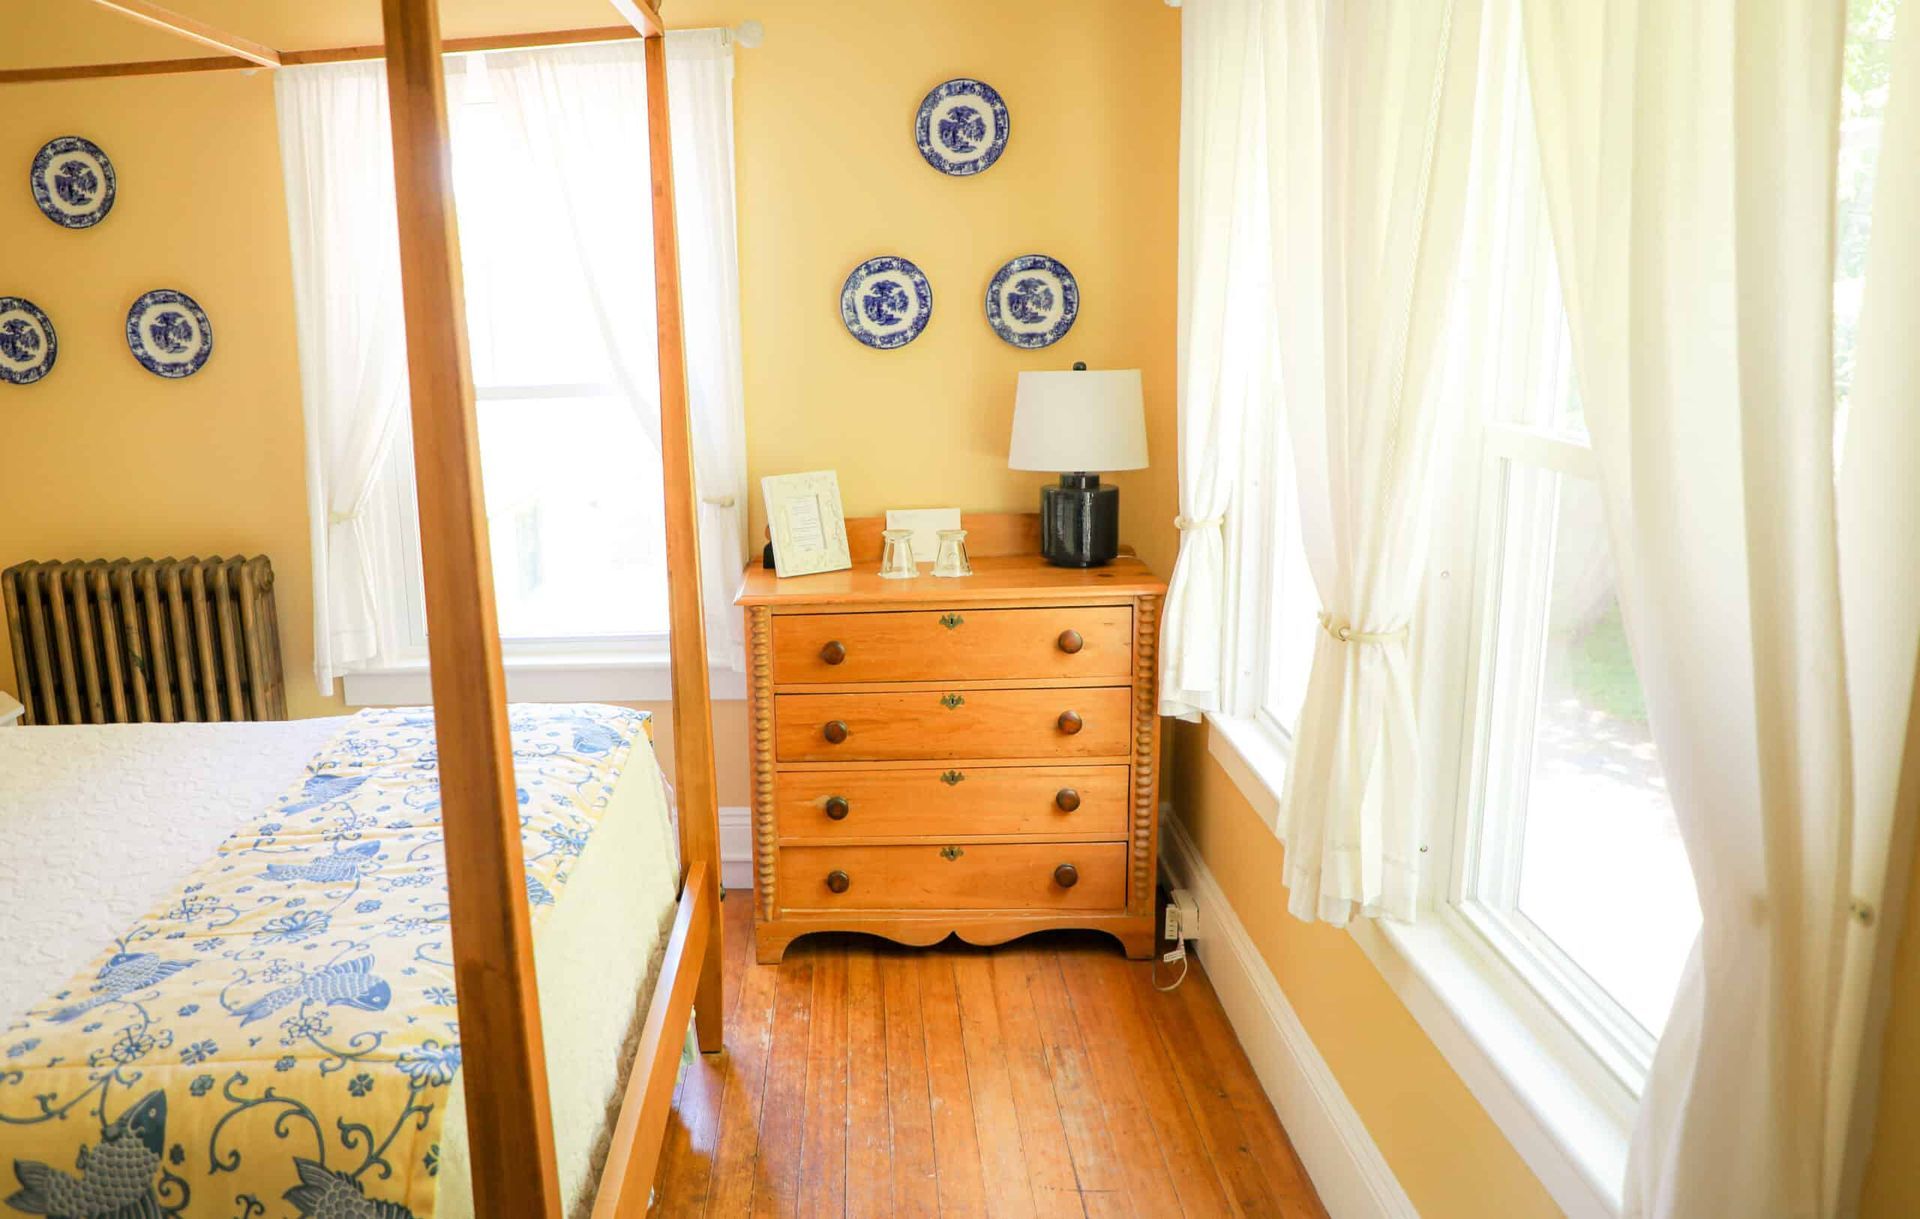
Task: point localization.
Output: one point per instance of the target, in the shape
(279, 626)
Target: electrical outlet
(1183, 915)
(1171, 933)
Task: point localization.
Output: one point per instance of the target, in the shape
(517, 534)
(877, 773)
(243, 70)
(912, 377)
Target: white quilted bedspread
(97, 823)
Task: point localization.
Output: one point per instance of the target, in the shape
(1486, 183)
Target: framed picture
(808, 526)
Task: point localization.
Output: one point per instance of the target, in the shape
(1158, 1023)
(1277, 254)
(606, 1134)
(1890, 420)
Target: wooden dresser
(973, 756)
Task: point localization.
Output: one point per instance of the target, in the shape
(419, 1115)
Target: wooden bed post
(692, 700)
(509, 1122)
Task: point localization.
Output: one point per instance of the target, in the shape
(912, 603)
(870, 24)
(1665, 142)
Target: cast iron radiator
(145, 640)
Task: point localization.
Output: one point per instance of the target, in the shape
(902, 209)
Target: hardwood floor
(1045, 1077)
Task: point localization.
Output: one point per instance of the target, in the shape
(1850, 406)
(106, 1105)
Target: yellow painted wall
(102, 459)
(1450, 1158)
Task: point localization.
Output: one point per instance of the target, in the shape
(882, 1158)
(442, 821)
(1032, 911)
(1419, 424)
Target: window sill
(1545, 1090)
(585, 676)
(1254, 757)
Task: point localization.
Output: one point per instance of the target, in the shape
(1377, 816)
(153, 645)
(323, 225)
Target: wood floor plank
(1280, 1163)
(1096, 1165)
(996, 1122)
(1227, 1143)
(776, 1173)
(869, 1138)
(1122, 1104)
(1043, 1137)
(916, 1190)
(1117, 1076)
(956, 1146)
(688, 1156)
(862, 1079)
(1195, 1179)
(823, 1168)
(749, 1042)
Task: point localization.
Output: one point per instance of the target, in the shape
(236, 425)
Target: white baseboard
(736, 846)
(1348, 1171)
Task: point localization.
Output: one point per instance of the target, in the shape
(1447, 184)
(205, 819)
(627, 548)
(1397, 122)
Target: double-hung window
(1559, 842)
(572, 478)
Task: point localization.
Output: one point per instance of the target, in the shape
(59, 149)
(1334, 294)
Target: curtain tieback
(343, 518)
(1187, 524)
(1346, 634)
(717, 501)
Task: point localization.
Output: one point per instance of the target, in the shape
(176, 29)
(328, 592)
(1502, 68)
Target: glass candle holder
(896, 559)
(951, 559)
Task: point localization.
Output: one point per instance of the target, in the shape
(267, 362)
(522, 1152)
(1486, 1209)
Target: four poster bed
(350, 856)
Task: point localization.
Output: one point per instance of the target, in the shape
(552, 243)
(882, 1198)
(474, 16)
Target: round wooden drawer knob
(1070, 722)
(1066, 876)
(1066, 799)
(1070, 642)
(838, 881)
(834, 652)
(836, 808)
(836, 731)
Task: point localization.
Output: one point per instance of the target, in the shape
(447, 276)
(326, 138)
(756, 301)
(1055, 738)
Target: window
(572, 478)
(1270, 633)
(1559, 842)
(1564, 851)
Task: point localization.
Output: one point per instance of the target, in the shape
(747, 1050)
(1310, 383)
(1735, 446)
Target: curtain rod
(748, 34)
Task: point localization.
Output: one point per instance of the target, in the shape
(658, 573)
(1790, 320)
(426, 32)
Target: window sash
(1520, 473)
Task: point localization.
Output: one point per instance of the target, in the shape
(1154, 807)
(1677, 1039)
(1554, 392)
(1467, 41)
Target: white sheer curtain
(580, 114)
(1370, 110)
(1688, 154)
(337, 159)
(1225, 334)
(1879, 518)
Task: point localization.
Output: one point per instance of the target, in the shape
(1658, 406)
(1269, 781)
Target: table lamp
(1079, 423)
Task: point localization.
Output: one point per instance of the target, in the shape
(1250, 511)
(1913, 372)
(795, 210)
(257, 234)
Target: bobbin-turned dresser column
(974, 757)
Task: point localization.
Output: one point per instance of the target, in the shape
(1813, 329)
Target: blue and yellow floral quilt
(279, 1037)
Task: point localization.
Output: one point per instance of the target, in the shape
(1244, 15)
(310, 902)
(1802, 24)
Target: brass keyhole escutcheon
(1066, 876)
(838, 881)
(836, 808)
(836, 731)
(1066, 799)
(950, 621)
(950, 701)
(951, 777)
(951, 853)
(1070, 722)
(834, 652)
(1070, 642)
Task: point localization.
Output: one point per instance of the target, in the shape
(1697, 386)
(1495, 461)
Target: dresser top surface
(998, 578)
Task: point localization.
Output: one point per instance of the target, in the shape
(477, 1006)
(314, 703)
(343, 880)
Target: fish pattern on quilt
(279, 1036)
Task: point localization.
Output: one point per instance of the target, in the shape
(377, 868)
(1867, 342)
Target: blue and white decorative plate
(73, 182)
(886, 302)
(28, 345)
(169, 333)
(962, 127)
(1032, 301)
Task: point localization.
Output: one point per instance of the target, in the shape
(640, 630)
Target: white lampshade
(1092, 421)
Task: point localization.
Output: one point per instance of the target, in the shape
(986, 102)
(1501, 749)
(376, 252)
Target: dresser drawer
(1043, 802)
(934, 724)
(1000, 876)
(953, 645)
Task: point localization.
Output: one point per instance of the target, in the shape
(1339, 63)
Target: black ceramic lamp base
(1079, 522)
